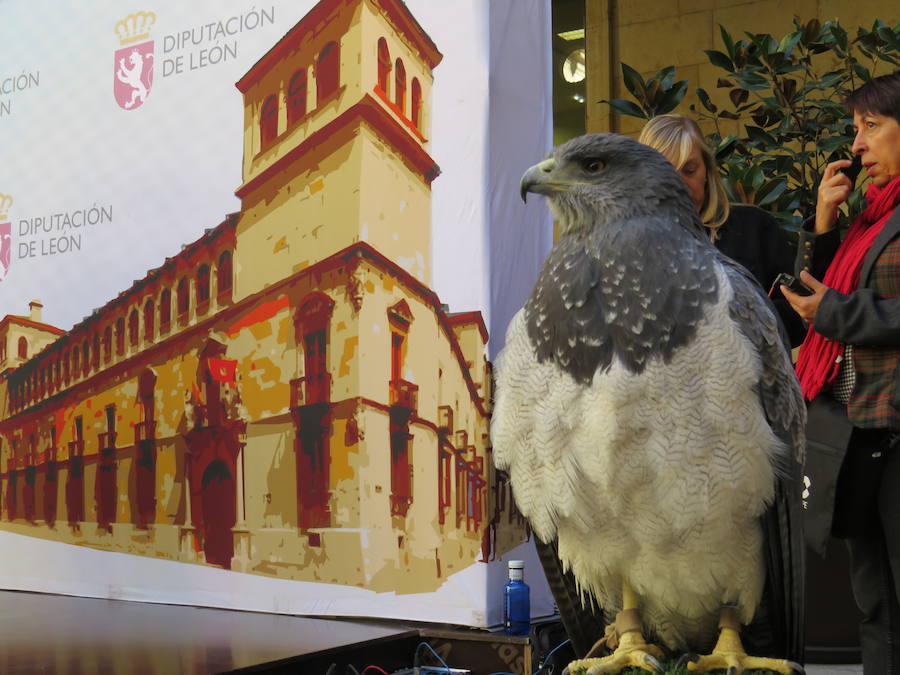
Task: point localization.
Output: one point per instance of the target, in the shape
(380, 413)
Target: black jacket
(753, 238)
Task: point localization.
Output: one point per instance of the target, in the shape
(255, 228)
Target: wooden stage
(41, 633)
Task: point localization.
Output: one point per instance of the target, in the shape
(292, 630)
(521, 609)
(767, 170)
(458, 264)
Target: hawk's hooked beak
(537, 179)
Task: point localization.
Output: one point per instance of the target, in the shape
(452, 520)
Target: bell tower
(336, 119)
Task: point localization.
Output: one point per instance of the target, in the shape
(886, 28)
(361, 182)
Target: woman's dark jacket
(753, 238)
(868, 318)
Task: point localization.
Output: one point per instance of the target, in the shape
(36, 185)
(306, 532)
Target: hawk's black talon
(684, 659)
(654, 663)
(732, 670)
(797, 668)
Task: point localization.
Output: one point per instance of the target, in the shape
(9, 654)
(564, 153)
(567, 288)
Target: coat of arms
(133, 64)
(5, 235)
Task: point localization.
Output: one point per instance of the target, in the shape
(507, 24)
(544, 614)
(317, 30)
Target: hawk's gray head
(599, 178)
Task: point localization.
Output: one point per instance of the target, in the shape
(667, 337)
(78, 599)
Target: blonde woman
(744, 233)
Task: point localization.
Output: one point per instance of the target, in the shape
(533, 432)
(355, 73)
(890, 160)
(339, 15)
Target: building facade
(286, 396)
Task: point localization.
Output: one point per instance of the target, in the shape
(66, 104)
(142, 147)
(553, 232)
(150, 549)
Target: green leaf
(666, 76)
(767, 44)
(758, 135)
(704, 100)
(832, 143)
(861, 72)
(672, 97)
(812, 31)
(889, 38)
(625, 107)
(634, 82)
(654, 90)
(770, 192)
(752, 83)
(725, 147)
(788, 42)
(789, 88)
(727, 41)
(719, 59)
(840, 36)
(738, 96)
(756, 177)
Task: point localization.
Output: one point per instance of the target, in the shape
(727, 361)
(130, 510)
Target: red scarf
(817, 364)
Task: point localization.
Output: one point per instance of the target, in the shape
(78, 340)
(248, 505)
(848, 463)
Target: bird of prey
(649, 420)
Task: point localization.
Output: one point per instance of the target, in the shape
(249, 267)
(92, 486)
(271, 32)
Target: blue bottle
(516, 601)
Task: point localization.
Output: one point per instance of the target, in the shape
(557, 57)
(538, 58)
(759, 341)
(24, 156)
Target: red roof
(26, 321)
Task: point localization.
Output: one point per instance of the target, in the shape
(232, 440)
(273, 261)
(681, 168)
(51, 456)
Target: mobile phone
(792, 283)
(853, 170)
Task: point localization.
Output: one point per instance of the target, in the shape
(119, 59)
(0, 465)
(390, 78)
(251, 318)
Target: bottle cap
(516, 564)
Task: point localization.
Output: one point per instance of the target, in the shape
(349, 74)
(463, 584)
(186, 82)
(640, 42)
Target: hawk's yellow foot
(729, 654)
(632, 651)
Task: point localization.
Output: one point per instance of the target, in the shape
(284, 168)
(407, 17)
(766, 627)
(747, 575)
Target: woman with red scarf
(850, 359)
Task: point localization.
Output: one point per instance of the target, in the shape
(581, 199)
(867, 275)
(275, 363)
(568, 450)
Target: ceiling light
(577, 34)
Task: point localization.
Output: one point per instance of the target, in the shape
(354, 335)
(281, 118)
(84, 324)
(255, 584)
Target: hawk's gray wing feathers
(589, 307)
(783, 598)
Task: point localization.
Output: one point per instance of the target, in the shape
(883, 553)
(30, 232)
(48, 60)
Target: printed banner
(226, 334)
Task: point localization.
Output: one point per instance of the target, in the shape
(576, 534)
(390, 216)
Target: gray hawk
(651, 425)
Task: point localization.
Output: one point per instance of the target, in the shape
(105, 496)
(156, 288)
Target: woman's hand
(806, 305)
(833, 191)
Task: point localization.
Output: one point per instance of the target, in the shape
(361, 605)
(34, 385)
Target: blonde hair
(675, 136)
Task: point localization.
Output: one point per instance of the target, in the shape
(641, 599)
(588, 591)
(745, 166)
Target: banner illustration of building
(286, 396)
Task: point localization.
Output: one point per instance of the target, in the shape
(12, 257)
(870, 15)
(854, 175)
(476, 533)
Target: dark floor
(82, 636)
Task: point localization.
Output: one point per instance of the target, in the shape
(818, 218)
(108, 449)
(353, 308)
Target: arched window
(120, 337)
(183, 300)
(415, 112)
(165, 311)
(311, 324)
(223, 276)
(149, 311)
(327, 71)
(268, 121)
(23, 348)
(107, 344)
(65, 368)
(85, 358)
(403, 398)
(296, 97)
(202, 289)
(96, 348)
(133, 328)
(310, 396)
(400, 86)
(384, 65)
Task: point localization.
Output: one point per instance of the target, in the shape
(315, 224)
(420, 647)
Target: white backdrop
(133, 186)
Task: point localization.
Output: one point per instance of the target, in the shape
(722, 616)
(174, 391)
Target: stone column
(240, 562)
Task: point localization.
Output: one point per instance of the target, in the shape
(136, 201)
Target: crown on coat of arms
(6, 201)
(135, 27)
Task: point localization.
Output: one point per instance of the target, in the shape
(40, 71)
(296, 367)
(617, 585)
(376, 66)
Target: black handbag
(828, 434)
